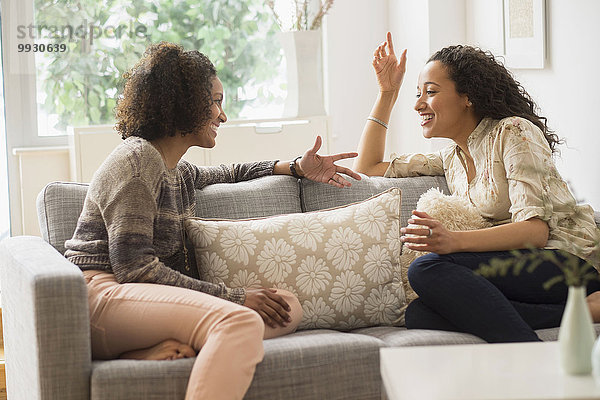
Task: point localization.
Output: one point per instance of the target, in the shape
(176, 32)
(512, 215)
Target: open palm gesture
(389, 71)
(322, 168)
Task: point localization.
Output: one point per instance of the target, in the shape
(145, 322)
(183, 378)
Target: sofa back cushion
(59, 204)
(317, 196)
(269, 195)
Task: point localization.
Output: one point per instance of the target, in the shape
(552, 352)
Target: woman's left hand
(322, 168)
(434, 238)
(389, 71)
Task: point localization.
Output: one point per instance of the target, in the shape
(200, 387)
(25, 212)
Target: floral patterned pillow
(342, 263)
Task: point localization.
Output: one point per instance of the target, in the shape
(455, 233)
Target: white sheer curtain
(4, 210)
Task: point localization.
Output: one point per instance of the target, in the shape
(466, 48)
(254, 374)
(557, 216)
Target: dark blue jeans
(499, 309)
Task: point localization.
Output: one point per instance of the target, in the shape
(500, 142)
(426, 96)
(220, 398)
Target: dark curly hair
(167, 92)
(490, 87)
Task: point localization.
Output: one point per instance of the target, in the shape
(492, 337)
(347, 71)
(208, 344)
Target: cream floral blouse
(516, 180)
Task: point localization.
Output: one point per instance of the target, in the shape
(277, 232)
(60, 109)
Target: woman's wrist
(384, 105)
(236, 295)
(459, 242)
(295, 168)
(389, 95)
(284, 168)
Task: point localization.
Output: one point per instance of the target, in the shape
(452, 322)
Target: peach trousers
(227, 336)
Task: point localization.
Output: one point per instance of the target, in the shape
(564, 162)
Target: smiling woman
(501, 163)
(146, 299)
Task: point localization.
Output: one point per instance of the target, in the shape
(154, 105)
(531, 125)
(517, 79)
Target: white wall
(566, 89)
(568, 92)
(422, 27)
(37, 167)
(409, 24)
(353, 29)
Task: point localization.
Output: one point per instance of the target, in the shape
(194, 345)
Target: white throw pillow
(342, 263)
(454, 212)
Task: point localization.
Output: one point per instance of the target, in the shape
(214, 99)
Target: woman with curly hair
(501, 162)
(146, 299)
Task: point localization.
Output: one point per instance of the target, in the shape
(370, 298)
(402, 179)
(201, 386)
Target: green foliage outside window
(82, 83)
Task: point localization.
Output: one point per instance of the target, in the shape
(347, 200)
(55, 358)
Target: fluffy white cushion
(342, 263)
(454, 212)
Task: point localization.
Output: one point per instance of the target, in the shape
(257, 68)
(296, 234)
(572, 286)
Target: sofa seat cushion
(317, 196)
(551, 334)
(140, 380)
(317, 364)
(400, 336)
(269, 195)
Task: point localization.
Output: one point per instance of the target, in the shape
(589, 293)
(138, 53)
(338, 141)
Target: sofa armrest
(46, 322)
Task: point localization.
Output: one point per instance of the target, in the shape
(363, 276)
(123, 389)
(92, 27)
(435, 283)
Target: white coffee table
(481, 372)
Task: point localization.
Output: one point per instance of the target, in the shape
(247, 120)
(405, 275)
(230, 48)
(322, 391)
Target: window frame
(20, 105)
(20, 81)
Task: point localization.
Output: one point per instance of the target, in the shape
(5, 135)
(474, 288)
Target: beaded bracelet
(380, 122)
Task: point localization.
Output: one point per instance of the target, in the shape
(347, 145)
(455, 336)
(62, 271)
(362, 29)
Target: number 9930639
(42, 48)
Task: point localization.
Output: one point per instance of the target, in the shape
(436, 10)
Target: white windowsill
(18, 151)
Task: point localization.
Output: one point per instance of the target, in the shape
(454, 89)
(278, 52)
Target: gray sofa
(45, 312)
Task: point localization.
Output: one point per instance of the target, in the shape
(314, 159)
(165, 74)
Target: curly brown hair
(491, 88)
(167, 92)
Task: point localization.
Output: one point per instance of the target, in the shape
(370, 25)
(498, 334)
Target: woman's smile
(425, 118)
(214, 127)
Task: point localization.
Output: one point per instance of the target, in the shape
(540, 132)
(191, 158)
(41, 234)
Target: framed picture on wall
(525, 33)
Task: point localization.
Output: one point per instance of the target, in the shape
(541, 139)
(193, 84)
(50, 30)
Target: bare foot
(593, 301)
(169, 349)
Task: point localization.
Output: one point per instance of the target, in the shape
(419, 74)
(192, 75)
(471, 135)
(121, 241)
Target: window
(80, 48)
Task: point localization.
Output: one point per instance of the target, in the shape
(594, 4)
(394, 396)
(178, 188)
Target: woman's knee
(249, 321)
(240, 323)
(422, 270)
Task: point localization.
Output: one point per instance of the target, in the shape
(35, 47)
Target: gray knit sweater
(132, 218)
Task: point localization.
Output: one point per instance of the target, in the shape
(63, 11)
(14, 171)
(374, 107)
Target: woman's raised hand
(323, 169)
(389, 71)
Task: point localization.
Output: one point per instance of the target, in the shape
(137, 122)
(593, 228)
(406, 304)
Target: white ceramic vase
(576, 335)
(304, 60)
